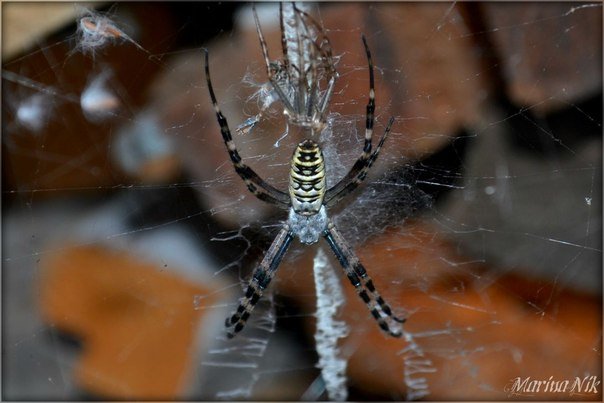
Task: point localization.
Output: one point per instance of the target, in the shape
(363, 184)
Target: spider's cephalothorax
(307, 201)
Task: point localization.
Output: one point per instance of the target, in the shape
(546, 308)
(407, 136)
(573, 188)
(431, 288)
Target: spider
(308, 201)
(304, 79)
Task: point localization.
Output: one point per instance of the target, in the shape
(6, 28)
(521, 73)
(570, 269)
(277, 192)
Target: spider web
(111, 142)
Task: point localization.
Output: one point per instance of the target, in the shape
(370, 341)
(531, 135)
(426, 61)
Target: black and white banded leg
(359, 170)
(261, 278)
(363, 284)
(255, 184)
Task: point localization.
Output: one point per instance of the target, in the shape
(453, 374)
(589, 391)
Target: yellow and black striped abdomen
(307, 178)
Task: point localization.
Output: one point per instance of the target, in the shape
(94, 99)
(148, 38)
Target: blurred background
(127, 236)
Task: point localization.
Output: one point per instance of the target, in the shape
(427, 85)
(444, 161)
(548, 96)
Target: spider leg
(255, 184)
(261, 278)
(358, 172)
(363, 284)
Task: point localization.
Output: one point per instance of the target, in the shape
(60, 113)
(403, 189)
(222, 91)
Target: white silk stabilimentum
(329, 298)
